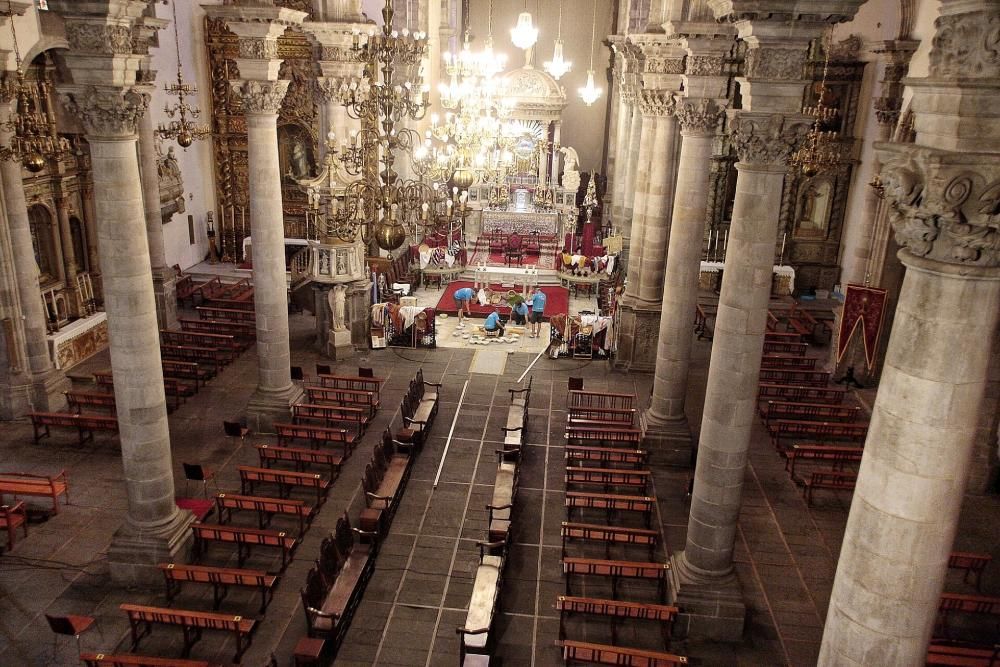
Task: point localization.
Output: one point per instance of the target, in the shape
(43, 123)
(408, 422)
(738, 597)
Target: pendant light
(524, 34)
(558, 65)
(590, 93)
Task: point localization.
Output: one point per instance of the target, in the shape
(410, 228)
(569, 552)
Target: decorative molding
(944, 206)
(337, 54)
(847, 50)
(339, 90)
(706, 65)
(99, 38)
(767, 140)
(776, 63)
(261, 97)
(657, 102)
(669, 65)
(699, 117)
(106, 111)
(967, 45)
(258, 48)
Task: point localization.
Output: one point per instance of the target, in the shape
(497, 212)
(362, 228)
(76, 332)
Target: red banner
(864, 307)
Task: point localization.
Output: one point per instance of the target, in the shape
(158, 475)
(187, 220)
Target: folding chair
(195, 472)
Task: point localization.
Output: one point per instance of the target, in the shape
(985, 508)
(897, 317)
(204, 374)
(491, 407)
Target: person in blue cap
(463, 299)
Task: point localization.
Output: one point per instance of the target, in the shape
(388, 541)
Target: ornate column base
(165, 290)
(669, 441)
(638, 326)
(712, 607)
(135, 552)
(47, 390)
(266, 407)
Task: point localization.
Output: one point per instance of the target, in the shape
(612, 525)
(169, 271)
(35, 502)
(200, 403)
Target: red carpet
(557, 301)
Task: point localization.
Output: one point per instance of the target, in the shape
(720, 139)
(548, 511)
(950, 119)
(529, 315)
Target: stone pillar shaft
(913, 474)
(659, 201)
(622, 158)
(632, 162)
(641, 183)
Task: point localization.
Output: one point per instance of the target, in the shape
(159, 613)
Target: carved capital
(99, 38)
(258, 48)
(944, 206)
(657, 102)
(887, 110)
(342, 90)
(699, 117)
(776, 63)
(967, 45)
(261, 96)
(106, 112)
(767, 140)
(713, 65)
(664, 65)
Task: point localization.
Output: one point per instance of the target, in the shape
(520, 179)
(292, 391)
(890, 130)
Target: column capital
(261, 97)
(257, 25)
(657, 102)
(338, 89)
(107, 112)
(942, 204)
(699, 117)
(766, 140)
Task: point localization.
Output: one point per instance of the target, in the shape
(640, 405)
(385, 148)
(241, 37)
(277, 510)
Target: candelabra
(184, 130)
(820, 152)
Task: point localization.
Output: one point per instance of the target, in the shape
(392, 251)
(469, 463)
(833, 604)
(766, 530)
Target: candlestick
(725, 244)
(781, 257)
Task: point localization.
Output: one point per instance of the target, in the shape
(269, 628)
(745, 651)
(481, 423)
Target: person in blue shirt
(463, 299)
(519, 313)
(493, 322)
(537, 300)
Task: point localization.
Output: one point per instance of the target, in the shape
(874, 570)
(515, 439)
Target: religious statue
(298, 165)
(571, 168)
(337, 299)
(813, 205)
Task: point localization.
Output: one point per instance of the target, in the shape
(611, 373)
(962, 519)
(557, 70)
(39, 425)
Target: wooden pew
(970, 563)
(13, 517)
(785, 347)
(515, 429)
(800, 394)
(133, 660)
(607, 456)
(486, 587)
(829, 479)
(245, 332)
(214, 357)
(172, 388)
(200, 339)
(208, 286)
(266, 509)
(952, 603)
(232, 304)
(187, 371)
(244, 539)
(616, 611)
(220, 578)
(782, 337)
(230, 314)
(610, 503)
(602, 654)
(796, 377)
(333, 589)
(773, 410)
(837, 431)
(141, 620)
(285, 480)
(789, 361)
(269, 454)
(624, 418)
(594, 436)
(504, 490)
(374, 385)
(636, 481)
(330, 415)
(963, 655)
(185, 290)
(27, 484)
(343, 438)
(420, 405)
(616, 570)
(578, 398)
(85, 425)
(78, 400)
(386, 475)
(350, 398)
(702, 327)
(608, 535)
(838, 456)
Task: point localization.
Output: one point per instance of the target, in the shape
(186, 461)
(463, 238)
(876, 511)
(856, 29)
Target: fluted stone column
(47, 384)
(942, 198)
(631, 169)
(623, 157)
(659, 202)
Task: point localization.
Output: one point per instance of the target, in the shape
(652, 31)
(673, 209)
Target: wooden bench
(227, 314)
(601, 417)
(78, 400)
(331, 414)
(970, 563)
(184, 289)
(595, 436)
(386, 475)
(85, 425)
(266, 509)
(789, 361)
(963, 655)
(172, 387)
(270, 454)
(420, 405)
(214, 357)
(796, 377)
(836, 455)
(609, 535)
(616, 611)
(607, 456)
(702, 327)
(515, 430)
(27, 484)
(232, 304)
(202, 288)
(842, 432)
(782, 337)
(244, 332)
(602, 654)
(133, 660)
(197, 373)
(800, 394)
(617, 570)
(351, 398)
(220, 578)
(200, 339)
(504, 489)
(610, 503)
(344, 438)
(334, 587)
(244, 539)
(785, 347)
(285, 480)
(374, 385)
(142, 618)
(966, 604)
(13, 517)
(829, 479)
(809, 411)
(579, 398)
(636, 481)
(486, 587)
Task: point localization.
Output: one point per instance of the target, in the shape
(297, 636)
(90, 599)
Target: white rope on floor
(451, 431)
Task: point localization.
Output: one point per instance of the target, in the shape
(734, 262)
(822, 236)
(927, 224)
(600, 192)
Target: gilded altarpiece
(298, 131)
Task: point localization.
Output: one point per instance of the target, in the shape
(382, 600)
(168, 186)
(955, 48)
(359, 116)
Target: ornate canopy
(537, 95)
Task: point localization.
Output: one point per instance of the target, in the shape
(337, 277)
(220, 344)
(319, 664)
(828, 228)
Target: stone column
(66, 241)
(622, 158)
(261, 92)
(942, 201)
(635, 146)
(164, 278)
(47, 384)
(659, 199)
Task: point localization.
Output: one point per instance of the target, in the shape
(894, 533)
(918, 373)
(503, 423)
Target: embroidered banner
(864, 307)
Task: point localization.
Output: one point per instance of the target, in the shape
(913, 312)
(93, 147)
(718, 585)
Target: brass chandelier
(183, 130)
(821, 152)
(33, 140)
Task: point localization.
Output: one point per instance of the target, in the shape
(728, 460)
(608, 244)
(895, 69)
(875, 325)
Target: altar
(546, 223)
(783, 282)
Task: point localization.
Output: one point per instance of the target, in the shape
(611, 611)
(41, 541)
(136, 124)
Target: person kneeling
(494, 323)
(519, 313)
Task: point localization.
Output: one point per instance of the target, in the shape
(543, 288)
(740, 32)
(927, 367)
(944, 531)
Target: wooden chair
(11, 518)
(195, 472)
(70, 626)
(323, 369)
(532, 244)
(366, 372)
(236, 430)
(497, 242)
(514, 250)
(297, 373)
(576, 384)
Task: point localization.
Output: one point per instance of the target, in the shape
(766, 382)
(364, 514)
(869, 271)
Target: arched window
(40, 221)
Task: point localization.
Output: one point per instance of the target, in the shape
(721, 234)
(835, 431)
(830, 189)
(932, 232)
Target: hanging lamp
(591, 93)
(524, 34)
(558, 65)
(184, 130)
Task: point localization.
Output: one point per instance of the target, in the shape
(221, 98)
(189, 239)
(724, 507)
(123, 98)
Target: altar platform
(557, 300)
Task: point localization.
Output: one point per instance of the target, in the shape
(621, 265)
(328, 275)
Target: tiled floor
(786, 552)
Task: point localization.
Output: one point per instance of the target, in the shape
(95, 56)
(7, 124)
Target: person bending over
(537, 300)
(463, 298)
(494, 323)
(519, 313)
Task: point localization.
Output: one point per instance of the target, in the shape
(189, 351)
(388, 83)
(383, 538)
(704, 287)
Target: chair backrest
(233, 429)
(194, 472)
(366, 372)
(297, 373)
(61, 625)
(514, 242)
(576, 384)
(323, 369)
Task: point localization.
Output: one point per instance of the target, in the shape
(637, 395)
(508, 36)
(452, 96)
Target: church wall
(196, 161)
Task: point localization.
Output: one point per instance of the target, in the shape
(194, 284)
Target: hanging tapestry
(864, 307)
